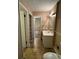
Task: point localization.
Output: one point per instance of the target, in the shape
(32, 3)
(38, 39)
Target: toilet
(50, 55)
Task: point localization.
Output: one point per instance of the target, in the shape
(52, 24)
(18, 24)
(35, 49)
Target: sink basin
(48, 33)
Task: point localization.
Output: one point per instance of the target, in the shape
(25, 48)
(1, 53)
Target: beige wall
(53, 9)
(24, 2)
(53, 18)
(58, 29)
(45, 18)
(19, 39)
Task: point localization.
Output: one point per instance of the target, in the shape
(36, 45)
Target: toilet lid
(50, 55)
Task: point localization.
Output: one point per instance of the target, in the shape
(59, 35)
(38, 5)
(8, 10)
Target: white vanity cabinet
(47, 37)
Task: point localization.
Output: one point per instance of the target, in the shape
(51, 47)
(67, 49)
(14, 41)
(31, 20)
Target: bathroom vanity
(47, 37)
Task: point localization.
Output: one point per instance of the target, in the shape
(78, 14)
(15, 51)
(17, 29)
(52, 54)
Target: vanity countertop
(48, 33)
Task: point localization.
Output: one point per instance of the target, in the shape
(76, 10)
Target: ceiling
(40, 5)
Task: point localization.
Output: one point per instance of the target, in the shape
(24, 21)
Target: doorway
(37, 27)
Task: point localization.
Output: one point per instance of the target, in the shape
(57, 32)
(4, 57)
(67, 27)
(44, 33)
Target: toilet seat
(50, 55)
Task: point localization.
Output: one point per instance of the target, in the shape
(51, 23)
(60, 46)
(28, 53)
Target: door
(37, 27)
(22, 29)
